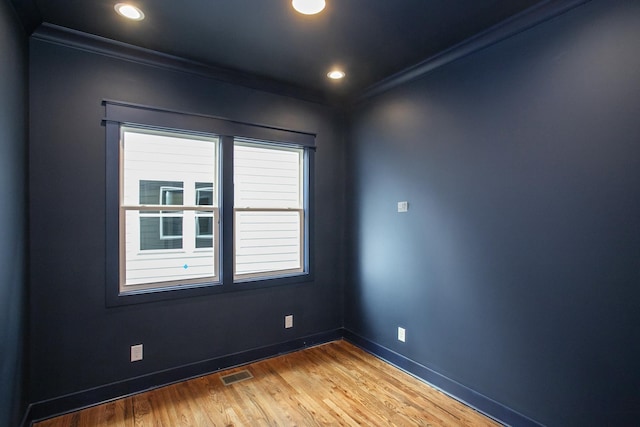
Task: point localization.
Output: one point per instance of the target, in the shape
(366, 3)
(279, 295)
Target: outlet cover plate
(401, 334)
(136, 352)
(288, 321)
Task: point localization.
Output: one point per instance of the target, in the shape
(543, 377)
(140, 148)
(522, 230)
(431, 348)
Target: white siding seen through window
(268, 210)
(168, 208)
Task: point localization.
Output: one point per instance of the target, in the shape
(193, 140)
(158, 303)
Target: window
(167, 209)
(268, 210)
(197, 204)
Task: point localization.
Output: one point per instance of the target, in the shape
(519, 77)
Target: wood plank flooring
(334, 384)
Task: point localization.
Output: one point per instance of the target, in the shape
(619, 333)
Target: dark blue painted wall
(13, 212)
(79, 343)
(516, 271)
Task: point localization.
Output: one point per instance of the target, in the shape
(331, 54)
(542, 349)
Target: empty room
(339, 212)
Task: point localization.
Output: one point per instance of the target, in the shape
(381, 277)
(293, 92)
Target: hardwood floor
(332, 384)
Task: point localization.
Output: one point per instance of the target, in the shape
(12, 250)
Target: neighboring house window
(204, 219)
(168, 206)
(268, 210)
(198, 205)
(160, 229)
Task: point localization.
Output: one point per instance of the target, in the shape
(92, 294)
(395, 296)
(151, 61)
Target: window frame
(301, 209)
(160, 210)
(119, 114)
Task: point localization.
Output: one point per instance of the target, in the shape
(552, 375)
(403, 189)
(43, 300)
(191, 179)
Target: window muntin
(167, 248)
(269, 210)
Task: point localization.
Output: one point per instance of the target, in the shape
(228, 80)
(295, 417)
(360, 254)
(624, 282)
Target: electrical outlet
(403, 206)
(288, 321)
(136, 352)
(401, 334)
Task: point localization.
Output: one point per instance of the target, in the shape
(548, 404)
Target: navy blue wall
(77, 342)
(516, 271)
(13, 212)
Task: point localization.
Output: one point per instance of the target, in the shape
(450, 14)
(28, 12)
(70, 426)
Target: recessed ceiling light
(129, 11)
(308, 7)
(336, 74)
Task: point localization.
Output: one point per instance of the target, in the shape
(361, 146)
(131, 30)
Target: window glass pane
(204, 226)
(158, 231)
(160, 192)
(173, 161)
(168, 169)
(267, 177)
(151, 266)
(171, 228)
(267, 241)
(170, 196)
(204, 194)
(204, 229)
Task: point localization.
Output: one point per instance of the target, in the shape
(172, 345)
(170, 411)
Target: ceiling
(369, 39)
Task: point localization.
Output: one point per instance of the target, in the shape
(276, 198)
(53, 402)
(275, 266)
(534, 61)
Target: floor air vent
(236, 377)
